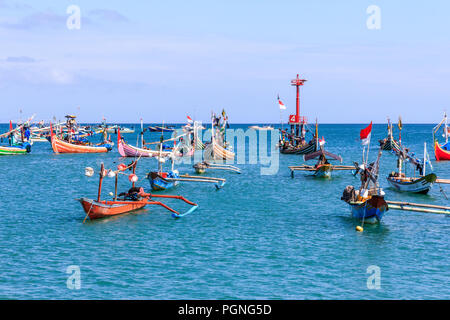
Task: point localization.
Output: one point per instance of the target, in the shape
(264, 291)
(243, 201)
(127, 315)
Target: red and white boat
(441, 151)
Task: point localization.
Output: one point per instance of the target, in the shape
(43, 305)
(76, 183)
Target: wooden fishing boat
(410, 184)
(60, 146)
(309, 147)
(322, 168)
(442, 151)
(367, 203)
(22, 148)
(159, 180)
(370, 209)
(218, 149)
(389, 143)
(214, 151)
(127, 150)
(136, 198)
(421, 184)
(103, 209)
(17, 143)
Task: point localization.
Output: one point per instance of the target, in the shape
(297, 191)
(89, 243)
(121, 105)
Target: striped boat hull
(12, 150)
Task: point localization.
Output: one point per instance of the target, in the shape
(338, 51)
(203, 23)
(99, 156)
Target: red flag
(189, 119)
(10, 126)
(365, 134)
(322, 141)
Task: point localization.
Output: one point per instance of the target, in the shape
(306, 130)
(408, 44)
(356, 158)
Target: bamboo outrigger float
(418, 207)
(134, 199)
(201, 167)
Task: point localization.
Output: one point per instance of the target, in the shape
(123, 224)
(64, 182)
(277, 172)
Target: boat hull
(420, 185)
(103, 209)
(371, 210)
(13, 150)
(391, 145)
(60, 146)
(305, 149)
(442, 152)
(159, 183)
(323, 171)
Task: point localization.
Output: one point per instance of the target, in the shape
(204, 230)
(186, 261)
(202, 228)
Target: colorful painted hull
(102, 209)
(419, 185)
(391, 145)
(442, 152)
(323, 171)
(12, 150)
(159, 183)
(60, 146)
(371, 210)
(127, 150)
(305, 149)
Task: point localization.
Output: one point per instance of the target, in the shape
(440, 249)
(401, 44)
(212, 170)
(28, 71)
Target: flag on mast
(365, 134)
(189, 119)
(322, 141)
(281, 104)
(10, 125)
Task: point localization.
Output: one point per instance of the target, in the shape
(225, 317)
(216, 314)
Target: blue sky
(163, 60)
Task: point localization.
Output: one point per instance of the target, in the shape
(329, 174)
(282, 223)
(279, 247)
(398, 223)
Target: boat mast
(424, 158)
(142, 133)
(297, 121)
(445, 128)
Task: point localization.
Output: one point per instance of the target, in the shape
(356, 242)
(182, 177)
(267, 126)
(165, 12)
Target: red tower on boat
(295, 119)
(294, 142)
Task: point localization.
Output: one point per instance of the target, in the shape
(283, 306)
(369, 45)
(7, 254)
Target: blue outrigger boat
(367, 203)
(159, 182)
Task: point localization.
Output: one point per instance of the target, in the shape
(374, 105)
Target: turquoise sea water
(260, 237)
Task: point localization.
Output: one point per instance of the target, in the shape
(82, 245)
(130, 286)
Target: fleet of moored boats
(367, 202)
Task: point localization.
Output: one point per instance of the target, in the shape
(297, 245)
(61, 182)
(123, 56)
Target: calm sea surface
(260, 237)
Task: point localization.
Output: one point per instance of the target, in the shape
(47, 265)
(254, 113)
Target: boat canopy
(321, 152)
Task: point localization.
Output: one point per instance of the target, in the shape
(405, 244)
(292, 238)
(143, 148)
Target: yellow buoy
(359, 229)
